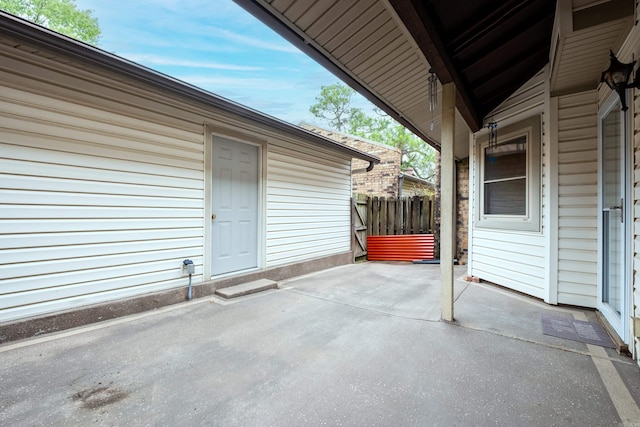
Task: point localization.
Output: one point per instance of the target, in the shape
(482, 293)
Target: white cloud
(252, 83)
(150, 59)
(214, 45)
(252, 41)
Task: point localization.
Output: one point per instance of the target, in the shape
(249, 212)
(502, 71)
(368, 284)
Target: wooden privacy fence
(376, 219)
(399, 215)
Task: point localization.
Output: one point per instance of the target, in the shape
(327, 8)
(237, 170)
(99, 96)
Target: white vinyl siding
(102, 188)
(629, 51)
(510, 258)
(94, 206)
(513, 260)
(523, 102)
(308, 204)
(578, 199)
(633, 44)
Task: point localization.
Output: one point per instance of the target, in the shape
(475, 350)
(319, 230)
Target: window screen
(505, 178)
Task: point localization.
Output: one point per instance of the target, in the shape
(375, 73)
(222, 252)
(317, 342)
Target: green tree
(62, 16)
(334, 106)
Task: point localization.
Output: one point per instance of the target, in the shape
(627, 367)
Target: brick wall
(462, 213)
(382, 181)
(462, 210)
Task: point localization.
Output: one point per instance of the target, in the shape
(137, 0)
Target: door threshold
(620, 345)
(235, 273)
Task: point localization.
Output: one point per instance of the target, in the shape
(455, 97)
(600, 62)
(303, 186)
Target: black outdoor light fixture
(617, 78)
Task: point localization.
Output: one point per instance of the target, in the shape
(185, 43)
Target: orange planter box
(400, 248)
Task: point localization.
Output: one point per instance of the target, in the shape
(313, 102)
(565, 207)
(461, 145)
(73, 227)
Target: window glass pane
(506, 197)
(506, 160)
(508, 178)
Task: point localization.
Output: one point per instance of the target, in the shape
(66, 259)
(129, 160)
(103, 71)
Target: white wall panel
(516, 260)
(95, 205)
(633, 44)
(527, 99)
(102, 188)
(297, 228)
(577, 199)
(513, 260)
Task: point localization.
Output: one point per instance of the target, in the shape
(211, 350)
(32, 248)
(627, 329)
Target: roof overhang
(385, 49)
(416, 179)
(584, 33)
(305, 42)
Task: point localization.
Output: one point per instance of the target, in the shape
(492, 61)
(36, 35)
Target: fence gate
(400, 229)
(376, 220)
(387, 216)
(359, 221)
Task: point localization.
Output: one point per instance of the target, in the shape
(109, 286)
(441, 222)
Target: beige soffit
(583, 35)
(366, 40)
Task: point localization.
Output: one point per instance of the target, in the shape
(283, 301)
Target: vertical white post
(447, 227)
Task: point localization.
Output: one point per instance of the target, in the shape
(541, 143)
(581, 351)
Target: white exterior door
(613, 289)
(234, 206)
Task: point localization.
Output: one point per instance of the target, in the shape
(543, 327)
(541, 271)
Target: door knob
(213, 216)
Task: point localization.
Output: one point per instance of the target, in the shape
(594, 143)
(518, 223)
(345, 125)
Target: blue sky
(218, 46)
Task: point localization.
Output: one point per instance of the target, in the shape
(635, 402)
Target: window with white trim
(509, 178)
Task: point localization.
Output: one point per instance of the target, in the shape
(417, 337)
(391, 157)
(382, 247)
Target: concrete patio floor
(355, 345)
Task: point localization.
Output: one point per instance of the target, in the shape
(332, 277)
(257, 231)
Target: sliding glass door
(613, 286)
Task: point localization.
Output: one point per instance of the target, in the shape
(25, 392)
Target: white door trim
(234, 134)
(621, 326)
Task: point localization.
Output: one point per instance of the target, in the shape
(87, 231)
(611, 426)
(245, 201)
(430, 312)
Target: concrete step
(247, 288)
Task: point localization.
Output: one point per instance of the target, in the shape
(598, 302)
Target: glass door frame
(619, 322)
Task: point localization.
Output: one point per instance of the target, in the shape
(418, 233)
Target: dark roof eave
(414, 16)
(42, 37)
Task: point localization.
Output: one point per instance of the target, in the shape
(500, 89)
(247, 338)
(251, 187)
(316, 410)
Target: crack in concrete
(457, 324)
(373, 310)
